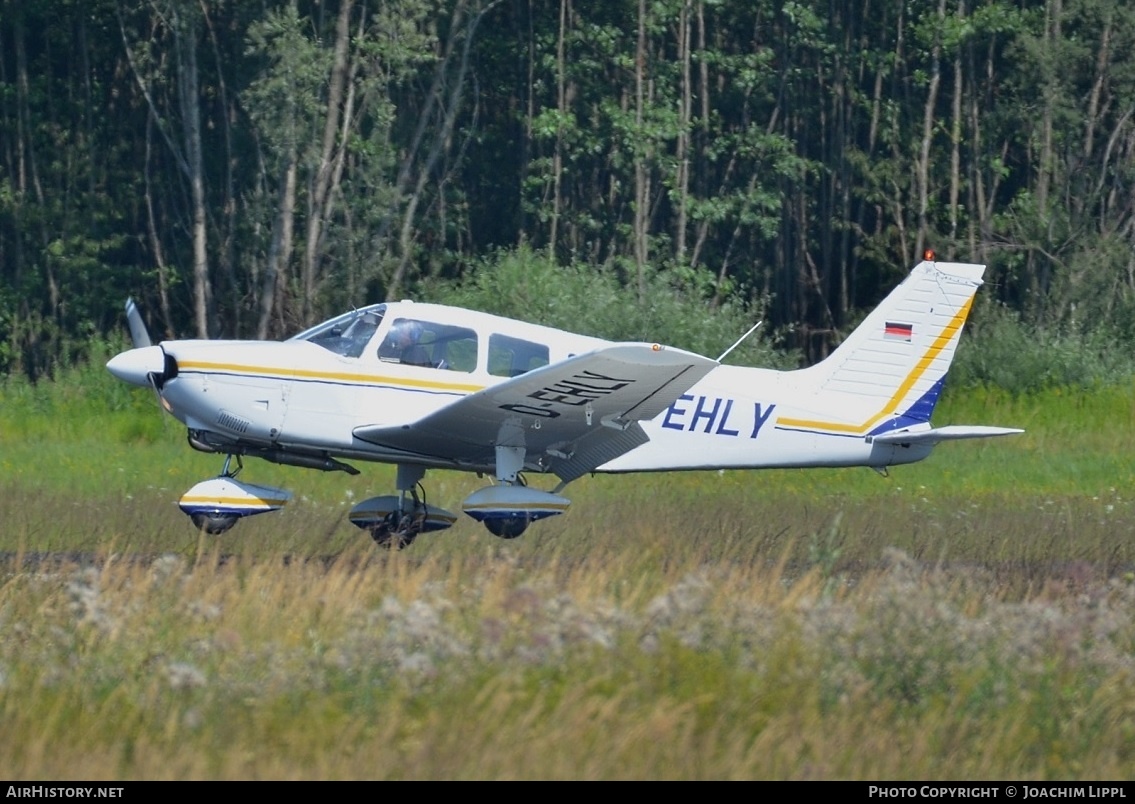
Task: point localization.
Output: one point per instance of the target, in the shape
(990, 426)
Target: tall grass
(473, 665)
(968, 617)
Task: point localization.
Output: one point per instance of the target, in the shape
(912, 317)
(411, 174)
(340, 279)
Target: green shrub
(593, 301)
(75, 394)
(999, 349)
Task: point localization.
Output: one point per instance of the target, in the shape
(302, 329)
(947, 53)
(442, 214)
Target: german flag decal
(897, 332)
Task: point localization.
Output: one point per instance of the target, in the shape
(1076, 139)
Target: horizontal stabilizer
(952, 432)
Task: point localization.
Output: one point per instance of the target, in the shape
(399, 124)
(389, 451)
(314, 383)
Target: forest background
(668, 170)
(671, 170)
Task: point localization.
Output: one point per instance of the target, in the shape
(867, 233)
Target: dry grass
(602, 649)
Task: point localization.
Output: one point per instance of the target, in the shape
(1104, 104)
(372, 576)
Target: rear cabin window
(430, 345)
(511, 357)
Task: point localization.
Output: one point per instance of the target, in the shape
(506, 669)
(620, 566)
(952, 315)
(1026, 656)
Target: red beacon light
(928, 255)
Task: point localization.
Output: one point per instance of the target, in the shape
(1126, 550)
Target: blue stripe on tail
(918, 413)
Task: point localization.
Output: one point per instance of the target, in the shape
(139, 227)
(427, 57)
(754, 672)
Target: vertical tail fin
(888, 373)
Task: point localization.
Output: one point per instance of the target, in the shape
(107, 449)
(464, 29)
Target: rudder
(891, 368)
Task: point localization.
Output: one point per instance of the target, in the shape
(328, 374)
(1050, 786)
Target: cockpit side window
(346, 335)
(511, 357)
(428, 344)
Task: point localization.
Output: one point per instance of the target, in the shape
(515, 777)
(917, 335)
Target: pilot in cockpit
(401, 345)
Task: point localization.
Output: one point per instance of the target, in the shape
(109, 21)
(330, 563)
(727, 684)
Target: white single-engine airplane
(425, 386)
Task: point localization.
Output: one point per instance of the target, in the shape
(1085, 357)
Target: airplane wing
(570, 417)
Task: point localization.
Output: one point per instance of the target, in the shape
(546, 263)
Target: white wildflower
(184, 676)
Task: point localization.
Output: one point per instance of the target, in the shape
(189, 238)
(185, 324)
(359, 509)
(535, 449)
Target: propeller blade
(138, 334)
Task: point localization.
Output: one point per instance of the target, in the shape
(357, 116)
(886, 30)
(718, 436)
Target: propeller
(146, 365)
(138, 334)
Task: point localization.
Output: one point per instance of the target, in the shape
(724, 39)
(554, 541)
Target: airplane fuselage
(302, 399)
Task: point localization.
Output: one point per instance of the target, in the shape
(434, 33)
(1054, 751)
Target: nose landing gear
(217, 504)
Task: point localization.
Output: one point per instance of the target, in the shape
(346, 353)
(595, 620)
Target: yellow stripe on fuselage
(940, 343)
(237, 501)
(328, 376)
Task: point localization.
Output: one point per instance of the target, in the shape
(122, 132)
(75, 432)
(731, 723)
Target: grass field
(969, 617)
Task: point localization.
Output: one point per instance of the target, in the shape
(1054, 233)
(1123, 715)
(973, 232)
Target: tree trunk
(682, 180)
(156, 240)
(185, 44)
(321, 186)
(1052, 24)
(641, 179)
(928, 136)
(956, 142)
(279, 252)
(229, 204)
(561, 108)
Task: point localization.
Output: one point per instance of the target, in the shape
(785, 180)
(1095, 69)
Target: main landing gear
(401, 526)
(506, 509)
(395, 520)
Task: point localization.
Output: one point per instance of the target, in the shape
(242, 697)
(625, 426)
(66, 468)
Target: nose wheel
(217, 504)
(212, 523)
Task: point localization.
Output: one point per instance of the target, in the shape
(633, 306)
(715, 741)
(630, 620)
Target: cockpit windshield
(348, 334)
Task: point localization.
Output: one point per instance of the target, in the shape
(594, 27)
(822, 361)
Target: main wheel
(508, 528)
(396, 535)
(214, 524)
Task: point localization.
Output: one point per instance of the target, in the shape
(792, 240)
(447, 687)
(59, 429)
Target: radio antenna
(752, 329)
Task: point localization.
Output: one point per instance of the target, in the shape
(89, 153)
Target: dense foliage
(246, 168)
